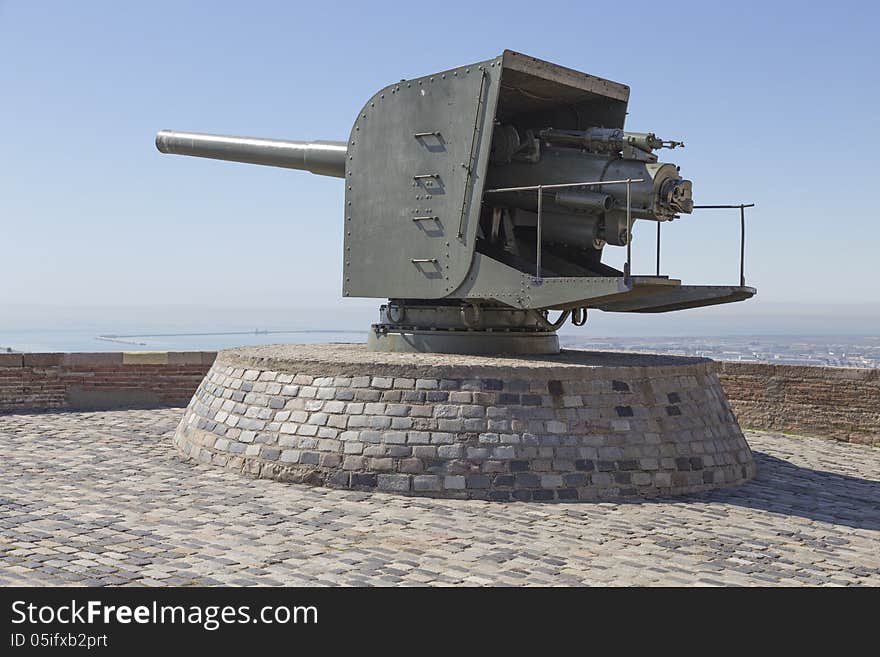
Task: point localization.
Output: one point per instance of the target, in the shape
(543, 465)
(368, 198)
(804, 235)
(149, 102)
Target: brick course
(100, 380)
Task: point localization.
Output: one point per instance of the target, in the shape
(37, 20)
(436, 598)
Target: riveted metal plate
(490, 279)
(414, 178)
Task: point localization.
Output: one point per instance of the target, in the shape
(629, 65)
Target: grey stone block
(527, 480)
(427, 483)
(450, 451)
(394, 482)
(454, 482)
(290, 456)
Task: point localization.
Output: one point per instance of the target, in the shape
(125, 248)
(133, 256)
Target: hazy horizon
(358, 314)
(101, 232)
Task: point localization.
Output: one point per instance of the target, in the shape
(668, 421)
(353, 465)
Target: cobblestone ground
(103, 498)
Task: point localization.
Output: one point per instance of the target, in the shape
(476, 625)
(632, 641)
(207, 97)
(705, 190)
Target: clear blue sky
(777, 101)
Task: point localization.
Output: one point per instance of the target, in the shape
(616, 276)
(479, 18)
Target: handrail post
(658, 248)
(627, 270)
(742, 245)
(538, 254)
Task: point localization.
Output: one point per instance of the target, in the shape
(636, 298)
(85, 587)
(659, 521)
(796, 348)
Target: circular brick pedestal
(577, 425)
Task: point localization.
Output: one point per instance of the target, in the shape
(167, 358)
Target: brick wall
(831, 402)
(100, 380)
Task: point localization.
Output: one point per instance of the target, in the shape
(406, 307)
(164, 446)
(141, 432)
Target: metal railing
(540, 189)
(742, 235)
(627, 267)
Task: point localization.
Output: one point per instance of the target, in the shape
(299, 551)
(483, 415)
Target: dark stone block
(624, 411)
(517, 385)
(246, 386)
(567, 494)
(555, 387)
(484, 398)
(413, 396)
(504, 480)
(530, 400)
(508, 398)
(622, 478)
(518, 466)
(620, 386)
(363, 480)
(585, 464)
(628, 465)
(338, 478)
(450, 384)
(522, 495)
(575, 479)
(679, 479)
(437, 466)
(606, 466)
(436, 396)
(626, 492)
(682, 463)
(673, 410)
(708, 477)
(527, 480)
(309, 458)
(238, 396)
(542, 495)
(499, 495)
(493, 384)
(477, 481)
(696, 462)
(674, 398)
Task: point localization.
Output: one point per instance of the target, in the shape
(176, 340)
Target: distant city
(834, 351)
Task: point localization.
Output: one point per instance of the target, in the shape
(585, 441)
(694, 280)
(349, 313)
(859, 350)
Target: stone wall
(829, 402)
(580, 425)
(100, 380)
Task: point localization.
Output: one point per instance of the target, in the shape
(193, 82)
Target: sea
(86, 340)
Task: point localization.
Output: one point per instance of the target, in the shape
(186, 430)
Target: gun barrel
(325, 158)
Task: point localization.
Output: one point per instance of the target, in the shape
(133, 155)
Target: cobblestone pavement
(103, 498)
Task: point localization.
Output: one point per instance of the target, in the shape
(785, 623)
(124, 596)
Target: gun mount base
(474, 343)
(472, 329)
(577, 425)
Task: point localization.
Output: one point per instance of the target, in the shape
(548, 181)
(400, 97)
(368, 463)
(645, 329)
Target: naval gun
(481, 198)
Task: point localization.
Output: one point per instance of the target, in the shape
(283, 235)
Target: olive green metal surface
(480, 197)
